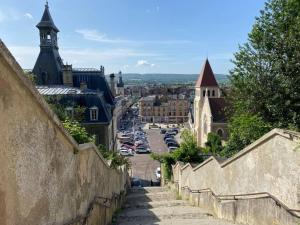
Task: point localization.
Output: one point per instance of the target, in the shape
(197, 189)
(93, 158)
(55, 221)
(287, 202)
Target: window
(208, 93)
(94, 113)
(213, 92)
(220, 132)
(70, 112)
(203, 93)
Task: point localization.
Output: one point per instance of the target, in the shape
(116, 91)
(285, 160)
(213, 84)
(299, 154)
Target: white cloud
(26, 56)
(95, 35)
(144, 63)
(126, 66)
(28, 15)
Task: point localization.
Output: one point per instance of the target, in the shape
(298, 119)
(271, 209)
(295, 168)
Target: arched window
(220, 132)
(203, 93)
(94, 113)
(208, 93)
(213, 92)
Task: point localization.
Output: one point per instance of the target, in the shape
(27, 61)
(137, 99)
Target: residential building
(208, 114)
(164, 109)
(83, 87)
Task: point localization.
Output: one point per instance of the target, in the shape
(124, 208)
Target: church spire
(46, 21)
(206, 77)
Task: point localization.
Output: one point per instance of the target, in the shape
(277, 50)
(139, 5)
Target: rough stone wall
(271, 164)
(45, 177)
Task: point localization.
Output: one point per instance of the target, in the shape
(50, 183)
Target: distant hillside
(134, 78)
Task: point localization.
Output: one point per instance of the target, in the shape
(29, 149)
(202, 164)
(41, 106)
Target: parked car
(158, 173)
(169, 139)
(126, 152)
(128, 143)
(136, 182)
(171, 132)
(168, 136)
(172, 144)
(172, 148)
(163, 131)
(127, 146)
(176, 130)
(142, 149)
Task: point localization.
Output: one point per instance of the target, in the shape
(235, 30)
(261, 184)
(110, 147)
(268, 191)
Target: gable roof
(206, 77)
(217, 107)
(47, 21)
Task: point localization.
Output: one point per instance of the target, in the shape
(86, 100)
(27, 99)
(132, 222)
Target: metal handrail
(82, 218)
(237, 197)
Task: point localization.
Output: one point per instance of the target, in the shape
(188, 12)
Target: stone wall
(265, 175)
(45, 177)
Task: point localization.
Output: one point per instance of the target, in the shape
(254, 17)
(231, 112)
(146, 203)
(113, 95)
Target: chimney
(83, 86)
(67, 75)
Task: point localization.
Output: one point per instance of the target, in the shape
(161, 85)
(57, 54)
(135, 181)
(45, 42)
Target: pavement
(142, 165)
(158, 205)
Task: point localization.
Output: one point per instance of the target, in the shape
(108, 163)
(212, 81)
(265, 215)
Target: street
(143, 166)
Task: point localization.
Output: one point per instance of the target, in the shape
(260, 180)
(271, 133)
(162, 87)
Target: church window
(208, 93)
(213, 92)
(94, 113)
(220, 132)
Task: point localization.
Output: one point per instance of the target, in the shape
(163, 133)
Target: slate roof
(70, 96)
(95, 80)
(217, 107)
(206, 77)
(47, 20)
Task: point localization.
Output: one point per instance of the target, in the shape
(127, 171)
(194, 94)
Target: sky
(134, 36)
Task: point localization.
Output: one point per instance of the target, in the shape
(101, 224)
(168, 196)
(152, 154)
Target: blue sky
(144, 36)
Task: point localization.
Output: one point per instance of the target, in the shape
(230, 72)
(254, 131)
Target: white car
(142, 149)
(158, 173)
(125, 152)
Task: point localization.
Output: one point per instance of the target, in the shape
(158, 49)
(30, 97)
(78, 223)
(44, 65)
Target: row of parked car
(169, 138)
(134, 142)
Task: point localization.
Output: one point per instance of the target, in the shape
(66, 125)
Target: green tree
(77, 131)
(266, 78)
(213, 144)
(244, 129)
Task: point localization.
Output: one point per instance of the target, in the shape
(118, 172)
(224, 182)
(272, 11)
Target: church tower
(206, 86)
(48, 66)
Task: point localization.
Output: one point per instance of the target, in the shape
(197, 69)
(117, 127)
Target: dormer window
(203, 93)
(70, 112)
(213, 92)
(94, 113)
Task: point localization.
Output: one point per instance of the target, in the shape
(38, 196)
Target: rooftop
(206, 77)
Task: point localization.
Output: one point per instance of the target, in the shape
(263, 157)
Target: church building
(73, 87)
(208, 114)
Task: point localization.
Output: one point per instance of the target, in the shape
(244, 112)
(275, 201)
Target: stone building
(208, 114)
(164, 109)
(75, 86)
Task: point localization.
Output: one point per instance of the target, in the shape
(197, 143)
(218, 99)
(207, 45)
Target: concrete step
(147, 189)
(149, 197)
(156, 204)
(144, 216)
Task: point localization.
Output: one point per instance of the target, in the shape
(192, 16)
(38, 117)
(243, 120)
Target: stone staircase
(158, 205)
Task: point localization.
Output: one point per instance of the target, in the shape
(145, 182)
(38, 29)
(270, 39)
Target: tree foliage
(244, 129)
(213, 144)
(188, 152)
(265, 82)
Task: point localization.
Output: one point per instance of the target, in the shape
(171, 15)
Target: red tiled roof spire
(206, 77)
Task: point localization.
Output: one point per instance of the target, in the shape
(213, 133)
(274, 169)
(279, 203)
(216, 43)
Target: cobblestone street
(143, 166)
